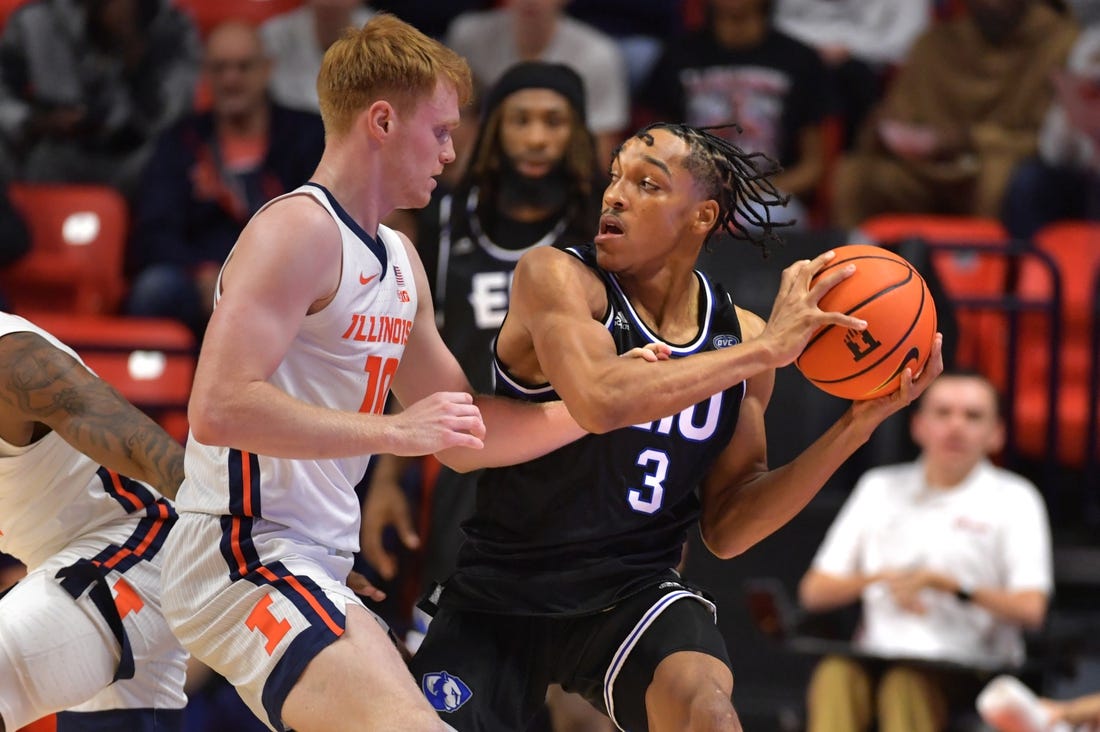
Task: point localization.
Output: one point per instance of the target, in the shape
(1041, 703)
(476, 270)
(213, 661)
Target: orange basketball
(901, 321)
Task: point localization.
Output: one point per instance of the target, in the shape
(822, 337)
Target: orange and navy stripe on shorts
(151, 531)
(244, 484)
(143, 544)
(133, 496)
(238, 549)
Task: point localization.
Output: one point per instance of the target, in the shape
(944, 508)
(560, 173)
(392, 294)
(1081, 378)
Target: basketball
(894, 299)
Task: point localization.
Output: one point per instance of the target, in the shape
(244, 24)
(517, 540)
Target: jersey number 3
(653, 479)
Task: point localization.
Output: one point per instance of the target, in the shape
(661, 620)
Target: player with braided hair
(566, 575)
(739, 181)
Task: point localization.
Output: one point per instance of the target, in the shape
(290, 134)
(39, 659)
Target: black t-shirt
(773, 90)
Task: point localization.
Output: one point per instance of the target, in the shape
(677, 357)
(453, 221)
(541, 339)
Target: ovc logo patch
(445, 692)
(725, 340)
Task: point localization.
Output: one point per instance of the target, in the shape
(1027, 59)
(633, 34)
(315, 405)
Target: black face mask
(997, 24)
(549, 192)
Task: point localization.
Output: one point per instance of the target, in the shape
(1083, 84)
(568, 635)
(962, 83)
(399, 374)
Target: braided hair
(734, 178)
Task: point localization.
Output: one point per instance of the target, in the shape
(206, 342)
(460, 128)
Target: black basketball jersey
(471, 277)
(582, 527)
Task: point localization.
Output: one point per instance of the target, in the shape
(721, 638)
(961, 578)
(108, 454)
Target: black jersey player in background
(566, 574)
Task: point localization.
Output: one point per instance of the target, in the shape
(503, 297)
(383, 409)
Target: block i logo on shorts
(445, 692)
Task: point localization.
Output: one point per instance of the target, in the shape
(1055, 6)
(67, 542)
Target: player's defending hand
(360, 585)
(442, 420)
(795, 316)
(385, 505)
(651, 352)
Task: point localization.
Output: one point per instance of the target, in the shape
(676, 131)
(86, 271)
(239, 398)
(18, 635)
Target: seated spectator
(86, 85)
(297, 40)
(539, 30)
(951, 558)
(1063, 181)
(210, 173)
(739, 68)
(859, 41)
(964, 109)
(641, 29)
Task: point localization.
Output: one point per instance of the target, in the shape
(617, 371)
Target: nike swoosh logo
(365, 280)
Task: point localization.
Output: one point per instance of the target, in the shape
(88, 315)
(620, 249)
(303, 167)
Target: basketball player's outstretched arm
(744, 501)
(554, 321)
(429, 366)
(285, 266)
(43, 385)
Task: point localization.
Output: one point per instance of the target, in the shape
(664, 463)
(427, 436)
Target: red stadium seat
(963, 273)
(150, 361)
(78, 239)
(1075, 248)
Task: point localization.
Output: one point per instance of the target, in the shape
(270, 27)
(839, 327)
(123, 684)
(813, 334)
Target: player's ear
(706, 215)
(378, 119)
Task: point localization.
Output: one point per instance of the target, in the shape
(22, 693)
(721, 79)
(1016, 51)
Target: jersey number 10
(380, 373)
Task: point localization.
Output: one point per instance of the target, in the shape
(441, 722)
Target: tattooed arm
(44, 388)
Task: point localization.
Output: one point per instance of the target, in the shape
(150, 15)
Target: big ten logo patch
(489, 298)
(399, 280)
(860, 343)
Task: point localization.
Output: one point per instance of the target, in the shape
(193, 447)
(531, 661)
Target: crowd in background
(945, 107)
(975, 108)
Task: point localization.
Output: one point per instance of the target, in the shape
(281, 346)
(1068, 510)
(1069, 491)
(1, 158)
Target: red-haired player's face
(423, 146)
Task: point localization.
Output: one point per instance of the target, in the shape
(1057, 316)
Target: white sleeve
(1025, 542)
(841, 552)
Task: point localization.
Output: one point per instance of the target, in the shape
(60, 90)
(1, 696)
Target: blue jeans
(167, 291)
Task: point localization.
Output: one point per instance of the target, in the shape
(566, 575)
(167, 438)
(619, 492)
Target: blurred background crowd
(137, 137)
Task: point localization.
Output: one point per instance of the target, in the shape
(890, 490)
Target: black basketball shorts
(489, 673)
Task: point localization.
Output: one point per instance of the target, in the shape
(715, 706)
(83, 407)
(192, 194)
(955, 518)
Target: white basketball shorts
(254, 601)
(57, 652)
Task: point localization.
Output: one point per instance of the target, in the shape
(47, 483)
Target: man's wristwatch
(964, 592)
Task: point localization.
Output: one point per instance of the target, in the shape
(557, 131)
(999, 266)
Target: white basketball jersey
(343, 357)
(51, 493)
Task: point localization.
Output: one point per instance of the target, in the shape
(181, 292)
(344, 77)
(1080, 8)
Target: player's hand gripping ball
(901, 321)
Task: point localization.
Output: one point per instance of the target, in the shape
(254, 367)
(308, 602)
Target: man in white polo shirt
(951, 558)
